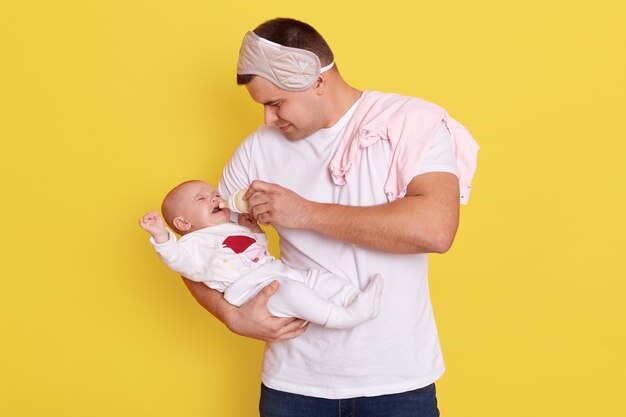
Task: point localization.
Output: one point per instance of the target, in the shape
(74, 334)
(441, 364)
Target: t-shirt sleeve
(236, 174)
(440, 156)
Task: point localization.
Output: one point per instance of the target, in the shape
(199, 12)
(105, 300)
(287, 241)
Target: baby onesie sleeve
(262, 239)
(180, 257)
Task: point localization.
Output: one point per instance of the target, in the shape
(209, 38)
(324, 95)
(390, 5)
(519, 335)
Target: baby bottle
(236, 202)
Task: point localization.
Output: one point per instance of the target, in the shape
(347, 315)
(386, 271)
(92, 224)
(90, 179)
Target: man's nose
(269, 115)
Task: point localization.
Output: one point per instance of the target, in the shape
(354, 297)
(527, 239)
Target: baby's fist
(153, 223)
(246, 220)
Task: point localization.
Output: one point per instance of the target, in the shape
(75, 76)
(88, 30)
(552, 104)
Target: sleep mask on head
(290, 69)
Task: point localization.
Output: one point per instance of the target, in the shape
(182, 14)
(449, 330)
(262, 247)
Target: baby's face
(198, 204)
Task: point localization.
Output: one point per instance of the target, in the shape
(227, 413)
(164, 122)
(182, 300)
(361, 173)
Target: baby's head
(193, 205)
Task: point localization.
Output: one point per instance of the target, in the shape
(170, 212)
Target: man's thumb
(269, 290)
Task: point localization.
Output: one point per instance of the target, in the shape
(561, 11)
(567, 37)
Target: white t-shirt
(395, 352)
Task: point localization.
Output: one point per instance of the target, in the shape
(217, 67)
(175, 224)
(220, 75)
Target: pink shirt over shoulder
(409, 124)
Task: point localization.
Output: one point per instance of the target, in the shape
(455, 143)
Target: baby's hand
(154, 224)
(246, 220)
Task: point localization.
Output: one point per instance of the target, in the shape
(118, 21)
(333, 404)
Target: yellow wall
(106, 105)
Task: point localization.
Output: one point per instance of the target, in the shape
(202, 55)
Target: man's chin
(294, 135)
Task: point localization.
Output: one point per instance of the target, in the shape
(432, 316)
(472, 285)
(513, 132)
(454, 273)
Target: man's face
(296, 114)
(199, 205)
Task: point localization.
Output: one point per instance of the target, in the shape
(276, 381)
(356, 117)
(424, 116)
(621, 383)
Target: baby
(233, 259)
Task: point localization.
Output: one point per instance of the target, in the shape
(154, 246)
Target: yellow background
(104, 106)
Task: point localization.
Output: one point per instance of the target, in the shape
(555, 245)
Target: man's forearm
(409, 225)
(424, 221)
(252, 319)
(212, 300)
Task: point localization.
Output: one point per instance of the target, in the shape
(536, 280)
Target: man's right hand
(252, 319)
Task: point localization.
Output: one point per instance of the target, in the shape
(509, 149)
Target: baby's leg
(295, 299)
(365, 306)
(331, 287)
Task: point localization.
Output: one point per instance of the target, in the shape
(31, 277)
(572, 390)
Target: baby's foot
(368, 302)
(365, 306)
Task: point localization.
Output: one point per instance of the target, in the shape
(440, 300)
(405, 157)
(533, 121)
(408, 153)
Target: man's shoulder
(397, 104)
(264, 133)
(262, 144)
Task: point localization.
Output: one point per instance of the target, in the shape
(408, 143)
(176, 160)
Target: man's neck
(343, 97)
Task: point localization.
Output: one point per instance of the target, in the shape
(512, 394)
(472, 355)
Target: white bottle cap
(236, 202)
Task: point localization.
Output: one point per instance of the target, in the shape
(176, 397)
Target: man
(356, 183)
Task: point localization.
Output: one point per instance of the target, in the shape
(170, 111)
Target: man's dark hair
(295, 34)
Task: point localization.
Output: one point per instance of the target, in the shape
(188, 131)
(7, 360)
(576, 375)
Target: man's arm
(424, 221)
(252, 319)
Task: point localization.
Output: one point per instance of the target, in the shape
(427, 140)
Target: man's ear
(181, 224)
(320, 84)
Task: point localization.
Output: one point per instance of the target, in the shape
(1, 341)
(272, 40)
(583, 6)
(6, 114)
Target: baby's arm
(176, 256)
(246, 220)
(154, 224)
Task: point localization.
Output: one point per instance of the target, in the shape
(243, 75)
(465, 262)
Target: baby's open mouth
(216, 209)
